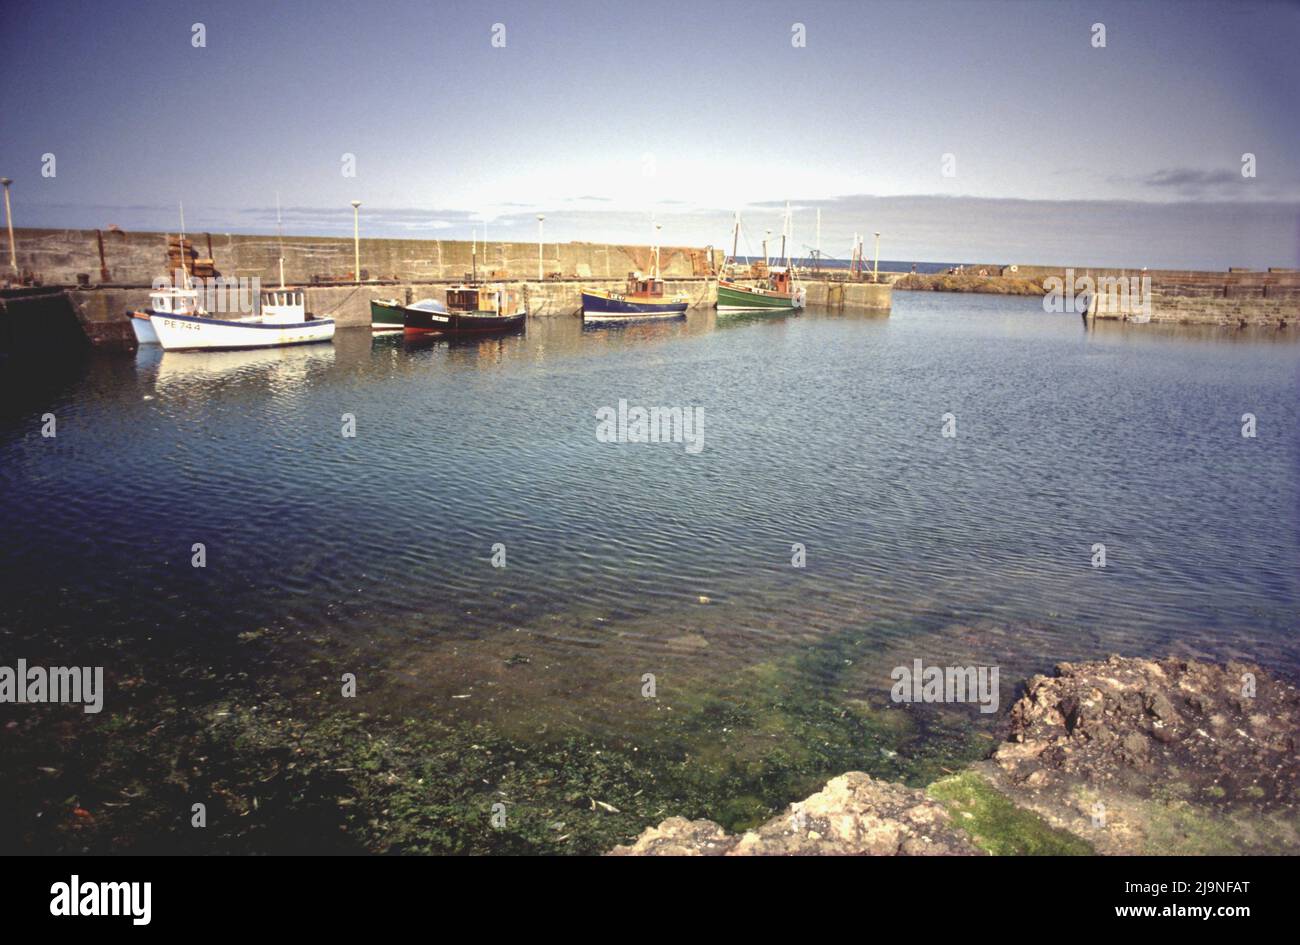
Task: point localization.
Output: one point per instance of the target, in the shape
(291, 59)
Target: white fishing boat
(169, 301)
(283, 320)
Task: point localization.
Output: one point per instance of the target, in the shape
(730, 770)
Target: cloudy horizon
(961, 131)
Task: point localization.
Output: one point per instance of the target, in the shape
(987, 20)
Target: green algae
(297, 774)
(999, 826)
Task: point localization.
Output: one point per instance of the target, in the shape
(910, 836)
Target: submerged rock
(853, 815)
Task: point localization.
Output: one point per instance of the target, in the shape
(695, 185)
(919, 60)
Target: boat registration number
(186, 326)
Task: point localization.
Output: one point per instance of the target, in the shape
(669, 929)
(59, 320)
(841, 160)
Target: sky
(964, 131)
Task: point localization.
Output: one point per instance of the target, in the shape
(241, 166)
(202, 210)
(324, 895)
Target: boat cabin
(485, 299)
(286, 305)
(175, 302)
(641, 286)
(780, 280)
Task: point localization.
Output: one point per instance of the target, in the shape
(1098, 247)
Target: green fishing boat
(776, 296)
(775, 291)
(386, 315)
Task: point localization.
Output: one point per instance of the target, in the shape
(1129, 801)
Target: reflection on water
(822, 429)
(277, 370)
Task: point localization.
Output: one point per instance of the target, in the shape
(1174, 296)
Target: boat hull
(740, 298)
(419, 321)
(386, 315)
(602, 307)
(142, 326)
(189, 333)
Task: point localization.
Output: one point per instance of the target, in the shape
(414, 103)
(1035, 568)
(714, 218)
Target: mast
(658, 227)
(184, 269)
(279, 232)
(474, 254)
(785, 230)
(819, 239)
(735, 238)
(789, 229)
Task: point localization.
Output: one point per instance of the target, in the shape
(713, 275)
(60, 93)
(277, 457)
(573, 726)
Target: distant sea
(886, 265)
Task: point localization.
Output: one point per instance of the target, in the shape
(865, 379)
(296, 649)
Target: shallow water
(373, 554)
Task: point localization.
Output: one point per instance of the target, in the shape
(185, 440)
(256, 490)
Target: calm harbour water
(372, 554)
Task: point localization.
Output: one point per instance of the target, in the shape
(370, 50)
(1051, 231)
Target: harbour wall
(115, 257)
(1230, 312)
(1231, 298)
(1237, 298)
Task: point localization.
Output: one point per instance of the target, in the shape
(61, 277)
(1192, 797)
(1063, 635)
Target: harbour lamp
(541, 277)
(356, 240)
(9, 221)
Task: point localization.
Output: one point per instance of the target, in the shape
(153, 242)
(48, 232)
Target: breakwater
(1236, 298)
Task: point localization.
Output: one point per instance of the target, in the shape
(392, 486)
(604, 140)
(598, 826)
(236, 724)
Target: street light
(9, 220)
(875, 273)
(541, 277)
(356, 240)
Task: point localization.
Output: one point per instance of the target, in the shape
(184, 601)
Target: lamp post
(541, 276)
(356, 240)
(9, 221)
(875, 272)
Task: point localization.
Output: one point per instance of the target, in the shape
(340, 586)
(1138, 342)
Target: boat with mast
(282, 319)
(778, 289)
(644, 297)
(173, 299)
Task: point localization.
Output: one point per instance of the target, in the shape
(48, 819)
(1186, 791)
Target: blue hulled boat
(644, 298)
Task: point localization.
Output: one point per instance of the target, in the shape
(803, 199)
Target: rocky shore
(1118, 756)
(969, 282)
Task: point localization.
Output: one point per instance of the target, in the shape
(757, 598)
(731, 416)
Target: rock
(1105, 722)
(678, 836)
(1135, 745)
(852, 815)
(1158, 704)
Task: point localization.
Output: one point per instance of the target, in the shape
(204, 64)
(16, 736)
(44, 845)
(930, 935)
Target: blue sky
(601, 115)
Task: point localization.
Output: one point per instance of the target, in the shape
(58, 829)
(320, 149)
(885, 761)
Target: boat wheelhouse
(165, 301)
